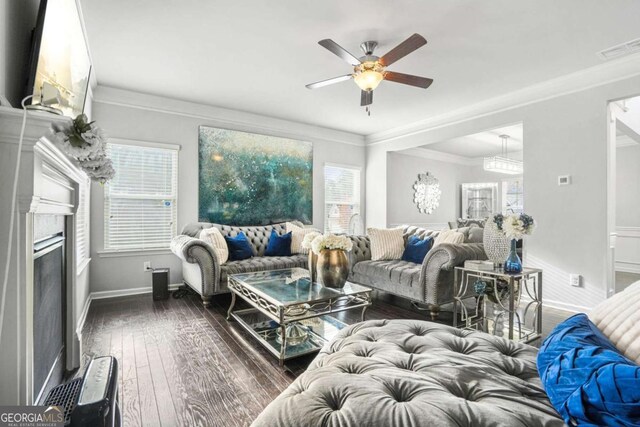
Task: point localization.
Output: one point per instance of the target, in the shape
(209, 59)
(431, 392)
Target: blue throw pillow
(417, 249)
(239, 247)
(587, 379)
(278, 245)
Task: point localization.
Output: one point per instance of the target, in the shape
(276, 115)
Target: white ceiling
(487, 143)
(256, 56)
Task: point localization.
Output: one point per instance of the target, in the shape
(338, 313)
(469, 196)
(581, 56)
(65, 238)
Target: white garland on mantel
(87, 143)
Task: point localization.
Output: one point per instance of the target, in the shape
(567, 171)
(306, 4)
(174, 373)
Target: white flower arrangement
(308, 238)
(331, 241)
(515, 227)
(86, 142)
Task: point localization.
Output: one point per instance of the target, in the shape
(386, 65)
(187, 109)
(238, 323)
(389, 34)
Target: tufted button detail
(413, 363)
(334, 402)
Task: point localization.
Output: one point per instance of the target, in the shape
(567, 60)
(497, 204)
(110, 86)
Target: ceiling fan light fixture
(368, 75)
(369, 70)
(368, 80)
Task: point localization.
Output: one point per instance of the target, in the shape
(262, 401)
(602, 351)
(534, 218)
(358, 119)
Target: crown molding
(439, 156)
(595, 76)
(446, 157)
(224, 117)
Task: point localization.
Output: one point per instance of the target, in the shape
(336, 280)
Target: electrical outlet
(564, 180)
(147, 266)
(575, 280)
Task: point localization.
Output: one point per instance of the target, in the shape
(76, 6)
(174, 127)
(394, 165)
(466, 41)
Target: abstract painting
(251, 179)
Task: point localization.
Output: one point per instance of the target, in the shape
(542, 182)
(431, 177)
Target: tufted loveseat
(429, 283)
(415, 373)
(202, 270)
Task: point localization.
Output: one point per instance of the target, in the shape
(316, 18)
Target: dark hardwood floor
(183, 365)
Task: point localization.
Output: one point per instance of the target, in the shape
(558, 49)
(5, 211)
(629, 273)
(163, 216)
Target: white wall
(402, 172)
(628, 186)
(566, 134)
(628, 209)
(17, 19)
(134, 116)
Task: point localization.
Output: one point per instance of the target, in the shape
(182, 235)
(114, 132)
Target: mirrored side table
(485, 299)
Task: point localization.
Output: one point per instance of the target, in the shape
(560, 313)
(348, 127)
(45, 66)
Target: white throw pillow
(214, 237)
(297, 235)
(449, 236)
(386, 244)
(618, 318)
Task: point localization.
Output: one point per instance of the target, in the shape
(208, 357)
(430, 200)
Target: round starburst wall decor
(427, 193)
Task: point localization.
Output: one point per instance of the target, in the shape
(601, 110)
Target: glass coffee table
(289, 314)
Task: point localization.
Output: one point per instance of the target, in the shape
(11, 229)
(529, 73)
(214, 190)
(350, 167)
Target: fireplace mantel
(50, 183)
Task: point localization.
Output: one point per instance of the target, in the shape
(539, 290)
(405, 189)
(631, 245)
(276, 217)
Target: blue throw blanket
(588, 381)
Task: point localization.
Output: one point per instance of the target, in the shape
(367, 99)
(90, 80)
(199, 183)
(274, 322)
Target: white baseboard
(560, 305)
(83, 316)
(565, 306)
(628, 266)
(126, 292)
(113, 294)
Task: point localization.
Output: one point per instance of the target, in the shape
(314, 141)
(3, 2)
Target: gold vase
(333, 267)
(313, 269)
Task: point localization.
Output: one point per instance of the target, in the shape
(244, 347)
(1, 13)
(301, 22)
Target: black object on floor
(183, 291)
(91, 400)
(160, 281)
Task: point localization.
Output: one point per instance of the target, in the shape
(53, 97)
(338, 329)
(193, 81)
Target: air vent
(620, 50)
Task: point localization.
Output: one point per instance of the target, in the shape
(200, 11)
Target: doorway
(624, 193)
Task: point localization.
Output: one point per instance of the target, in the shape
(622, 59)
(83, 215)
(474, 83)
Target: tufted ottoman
(415, 373)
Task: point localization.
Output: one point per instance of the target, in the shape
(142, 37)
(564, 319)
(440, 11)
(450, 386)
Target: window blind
(141, 200)
(341, 197)
(82, 223)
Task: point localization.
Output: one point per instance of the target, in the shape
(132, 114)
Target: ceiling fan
(369, 70)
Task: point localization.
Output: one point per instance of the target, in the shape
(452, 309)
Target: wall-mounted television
(59, 62)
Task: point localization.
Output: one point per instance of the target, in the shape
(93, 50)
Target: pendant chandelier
(502, 163)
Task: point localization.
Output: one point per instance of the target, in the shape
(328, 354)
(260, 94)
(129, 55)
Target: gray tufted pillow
(476, 235)
(471, 222)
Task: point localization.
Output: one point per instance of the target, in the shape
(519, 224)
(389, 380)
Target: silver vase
(333, 267)
(313, 266)
(496, 244)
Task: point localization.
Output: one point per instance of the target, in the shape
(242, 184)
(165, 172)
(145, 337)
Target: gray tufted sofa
(201, 269)
(429, 283)
(415, 373)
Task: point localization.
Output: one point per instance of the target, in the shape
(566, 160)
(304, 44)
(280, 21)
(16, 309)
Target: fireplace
(47, 292)
(49, 303)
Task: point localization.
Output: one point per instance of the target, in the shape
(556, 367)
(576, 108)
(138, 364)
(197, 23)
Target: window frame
(324, 181)
(115, 251)
(83, 224)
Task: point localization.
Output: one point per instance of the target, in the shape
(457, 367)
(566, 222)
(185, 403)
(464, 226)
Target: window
(141, 200)
(82, 223)
(341, 197)
(512, 196)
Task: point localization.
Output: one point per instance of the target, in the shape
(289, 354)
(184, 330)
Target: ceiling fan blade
(403, 49)
(366, 98)
(408, 79)
(328, 82)
(338, 50)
